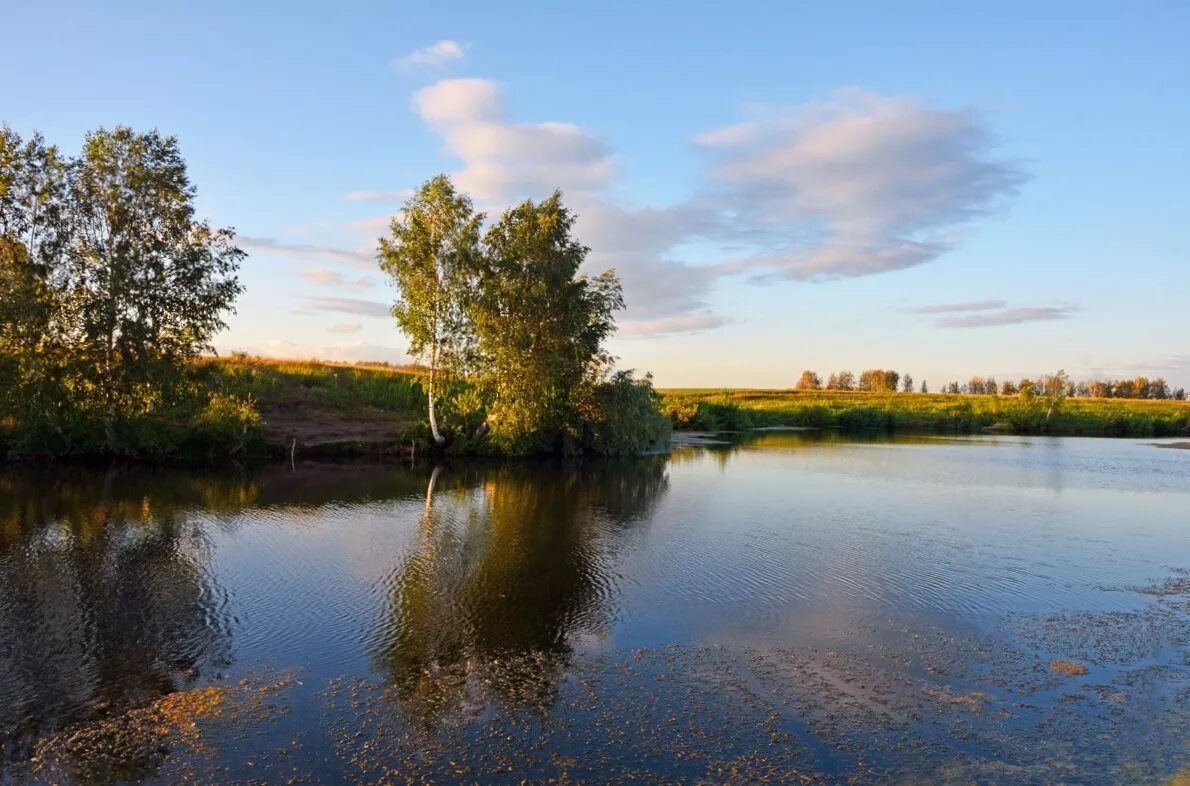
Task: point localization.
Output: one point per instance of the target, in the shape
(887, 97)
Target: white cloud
(345, 327)
(505, 161)
(378, 196)
(966, 305)
(437, 55)
(640, 244)
(347, 305)
(1009, 316)
(664, 326)
(332, 278)
(360, 258)
(859, 185)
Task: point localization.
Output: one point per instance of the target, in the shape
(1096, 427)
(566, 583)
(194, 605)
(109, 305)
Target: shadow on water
(512, 564)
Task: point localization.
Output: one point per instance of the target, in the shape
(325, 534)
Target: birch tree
(431, 257)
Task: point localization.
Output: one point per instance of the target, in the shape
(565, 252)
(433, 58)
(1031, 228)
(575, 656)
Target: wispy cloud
(966, 305)
(345, 327)
(347, 305)
(365, 259)
(437, 55)
(378, 196)
(665, 326)
(1009, 316)
(857, 185)
(334, 278)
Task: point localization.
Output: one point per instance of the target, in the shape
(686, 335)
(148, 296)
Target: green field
(709, 409)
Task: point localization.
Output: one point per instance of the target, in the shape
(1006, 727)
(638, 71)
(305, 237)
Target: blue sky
(943, 188)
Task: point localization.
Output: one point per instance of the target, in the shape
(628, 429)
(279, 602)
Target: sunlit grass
(330, 384)
(693, 407)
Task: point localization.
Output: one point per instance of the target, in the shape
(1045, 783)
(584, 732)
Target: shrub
(622, 417)
(227, 425)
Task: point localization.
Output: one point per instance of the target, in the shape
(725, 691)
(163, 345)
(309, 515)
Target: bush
(228, 425)
(622, 417)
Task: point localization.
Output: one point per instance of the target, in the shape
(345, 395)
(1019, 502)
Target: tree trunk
(481, 432)
(109, 409)
(438, 438)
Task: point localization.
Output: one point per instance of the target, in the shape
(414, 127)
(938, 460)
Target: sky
(947, 189)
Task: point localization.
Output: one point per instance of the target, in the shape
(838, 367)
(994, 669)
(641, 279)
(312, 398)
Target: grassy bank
(248, 408)
(737, 409)
(323, 407)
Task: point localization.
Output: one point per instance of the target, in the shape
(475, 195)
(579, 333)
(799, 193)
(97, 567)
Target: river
(787, 608)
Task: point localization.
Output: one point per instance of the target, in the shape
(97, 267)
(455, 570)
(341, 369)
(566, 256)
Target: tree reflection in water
(106, 601)
(513, 564)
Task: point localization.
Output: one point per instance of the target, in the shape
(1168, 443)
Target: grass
(321, 404)
(342, 386)
(734, 409)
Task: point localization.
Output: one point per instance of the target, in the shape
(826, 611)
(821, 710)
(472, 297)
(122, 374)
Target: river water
(789, 608)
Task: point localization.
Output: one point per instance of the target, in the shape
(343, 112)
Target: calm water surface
(794, 608)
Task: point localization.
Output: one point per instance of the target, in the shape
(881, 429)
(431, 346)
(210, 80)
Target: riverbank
(327, 410)
(321, 408)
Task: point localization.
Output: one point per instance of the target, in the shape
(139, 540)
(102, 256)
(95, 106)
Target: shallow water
(793, 607)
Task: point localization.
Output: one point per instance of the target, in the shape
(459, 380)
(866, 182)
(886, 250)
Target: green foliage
(432, 257)
(110, 286)
(228, 425)
(540, 326)
(621, 417)
(718, 413)
(511, 332)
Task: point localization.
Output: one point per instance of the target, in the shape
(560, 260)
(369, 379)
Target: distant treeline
(886, 380)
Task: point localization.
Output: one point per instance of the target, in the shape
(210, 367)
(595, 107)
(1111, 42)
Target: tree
(540, 325)
(33, 230)
(925, 388)
(1008, 388)
(809, 381)
(150, 282)
(872, 379)
(1179, 394)
(844, 380)
(433, 259)
(907, 384)
(1054, 387)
